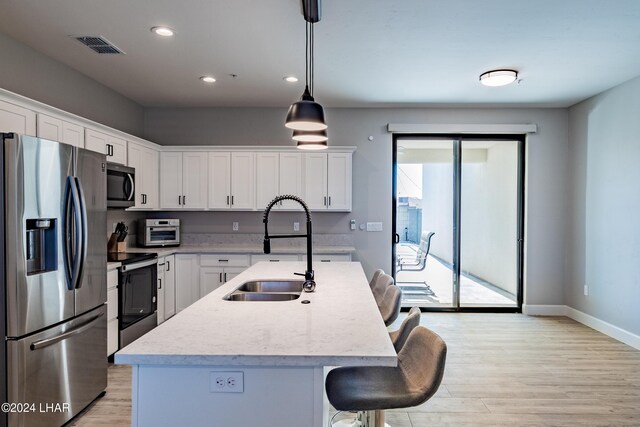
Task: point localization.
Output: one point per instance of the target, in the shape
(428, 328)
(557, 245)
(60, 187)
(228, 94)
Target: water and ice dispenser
(41, 246)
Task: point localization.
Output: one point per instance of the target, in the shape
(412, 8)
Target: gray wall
(34, 75)
(546, 156)
(603, 237)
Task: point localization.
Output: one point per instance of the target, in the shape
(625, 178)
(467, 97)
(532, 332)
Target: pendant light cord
(306, 54)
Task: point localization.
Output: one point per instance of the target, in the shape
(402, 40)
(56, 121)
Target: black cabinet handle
(223, 260)
(168, 266)
(184, 200)
(329, 200)
(325, 200)
(397, 238)
(220, 277)
(179, 200)
(227, 200)
(232, 200)
(225, 277)
(159, 283)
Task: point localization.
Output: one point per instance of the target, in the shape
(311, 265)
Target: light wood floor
(502, 370)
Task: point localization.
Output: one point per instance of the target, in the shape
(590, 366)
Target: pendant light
(306, 117)
(311, 140)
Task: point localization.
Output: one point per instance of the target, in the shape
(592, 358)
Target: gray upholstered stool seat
(374, 279)
(416, 378)
(380, 287)
(389, 304)
(399, 337)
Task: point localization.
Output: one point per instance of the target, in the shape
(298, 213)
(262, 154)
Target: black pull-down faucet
(309, 283)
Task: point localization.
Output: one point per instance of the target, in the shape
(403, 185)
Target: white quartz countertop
(113, 265)
(341, 326)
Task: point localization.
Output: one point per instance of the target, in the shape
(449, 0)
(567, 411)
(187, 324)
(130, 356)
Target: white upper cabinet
(278, 174)
(315, 180)
(183, 180)
(327, 181)
(17, 119)
(267, 178)
(231, 180)
(339, 181)
(194, 180)
(219, 180)
(243, 194)
(60, 130)
(171, 180)
(146, 163)
(115, 148)
(291, 179)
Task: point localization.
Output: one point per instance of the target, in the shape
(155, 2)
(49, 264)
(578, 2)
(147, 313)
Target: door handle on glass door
(397, 238)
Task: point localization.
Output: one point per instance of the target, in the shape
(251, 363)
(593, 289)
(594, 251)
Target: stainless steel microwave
(121, 186)
(158, 232)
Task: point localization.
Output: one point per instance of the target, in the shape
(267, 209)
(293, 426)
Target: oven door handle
(141, 264)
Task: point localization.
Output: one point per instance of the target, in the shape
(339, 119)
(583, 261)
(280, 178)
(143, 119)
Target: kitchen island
(259, 363)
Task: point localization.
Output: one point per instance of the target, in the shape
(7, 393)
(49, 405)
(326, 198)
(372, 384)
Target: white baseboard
(544, 310)
(606, 328)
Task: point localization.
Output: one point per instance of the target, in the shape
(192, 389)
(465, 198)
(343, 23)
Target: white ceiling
(369, 53)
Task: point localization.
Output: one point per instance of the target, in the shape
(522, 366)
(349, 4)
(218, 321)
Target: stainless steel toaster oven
(158, 232)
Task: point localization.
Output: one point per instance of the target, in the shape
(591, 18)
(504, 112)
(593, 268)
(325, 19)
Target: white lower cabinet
(211, 278)
(160, 318)
(330, 258)
(216, 270)
(112, 312)
(187, 280)
(273, 258)
(169, 285)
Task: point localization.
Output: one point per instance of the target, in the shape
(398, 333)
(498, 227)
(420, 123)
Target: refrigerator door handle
(72, 233)
(37, 345)
(84, 233)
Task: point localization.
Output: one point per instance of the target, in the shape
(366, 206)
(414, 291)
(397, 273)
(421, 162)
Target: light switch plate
(353, 224)
(236, 226)
(296, 226)
(374, 226)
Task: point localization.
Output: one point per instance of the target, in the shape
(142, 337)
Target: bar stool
(399, 337)
(417, 377)
(376, 274)
(380, 287)
(389, 304)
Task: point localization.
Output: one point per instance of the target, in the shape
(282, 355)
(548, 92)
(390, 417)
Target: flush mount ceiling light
(208, 79)
(163, 31)
(290, 79)
(498, 77)
(307, 114)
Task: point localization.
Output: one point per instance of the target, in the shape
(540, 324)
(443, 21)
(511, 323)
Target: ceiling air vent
(98, 44)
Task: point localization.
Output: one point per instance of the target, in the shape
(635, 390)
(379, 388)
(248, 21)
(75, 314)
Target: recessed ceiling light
(498, 77)
(290, 79)
(163, 31)
(208, 79)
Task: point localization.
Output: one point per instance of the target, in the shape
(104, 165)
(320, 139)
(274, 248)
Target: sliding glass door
(458, 221)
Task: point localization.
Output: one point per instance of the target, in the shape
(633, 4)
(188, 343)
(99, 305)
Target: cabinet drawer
(112, 304)
(332, 258)
(112, 336)
(224, 260)
(112, 279)
(273, 258)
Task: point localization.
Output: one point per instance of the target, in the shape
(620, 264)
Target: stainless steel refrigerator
(54, 289)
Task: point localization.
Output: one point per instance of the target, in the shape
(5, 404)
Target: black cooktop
(129, 257)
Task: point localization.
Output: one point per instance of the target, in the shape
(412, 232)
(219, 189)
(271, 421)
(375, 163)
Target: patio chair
(414, 264)
(419, 262)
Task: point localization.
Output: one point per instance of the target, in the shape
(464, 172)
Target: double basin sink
(267, 290)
